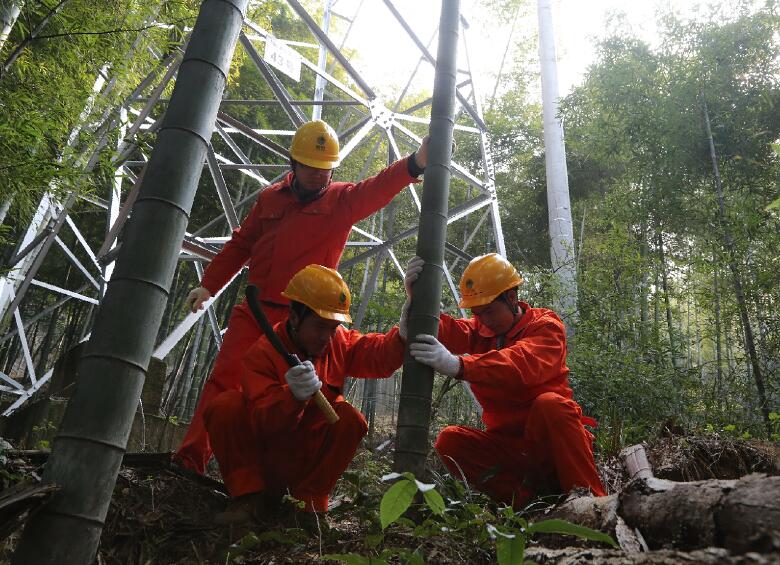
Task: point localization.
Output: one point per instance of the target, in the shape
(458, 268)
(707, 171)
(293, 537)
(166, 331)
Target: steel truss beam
(365, 121)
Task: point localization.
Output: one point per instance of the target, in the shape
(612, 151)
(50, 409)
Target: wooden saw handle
(322, 403)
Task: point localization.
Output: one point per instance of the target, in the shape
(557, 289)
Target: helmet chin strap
(303, 194)
(508, 302)
(516, 310)
(501, 339)
(292, 329)
(293, 332)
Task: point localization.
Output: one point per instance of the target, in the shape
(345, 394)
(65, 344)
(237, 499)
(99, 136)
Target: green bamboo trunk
(414, 411)
(88, 449)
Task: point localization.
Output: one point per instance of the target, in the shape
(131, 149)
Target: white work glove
(303, 381)
(196, 298)
(429, 351)
(413, 270)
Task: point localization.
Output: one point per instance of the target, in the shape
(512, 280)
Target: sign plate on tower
(284, 58)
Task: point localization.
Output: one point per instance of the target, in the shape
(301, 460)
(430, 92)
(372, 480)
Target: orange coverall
(279, 237)
(534, 429)
(266, 440)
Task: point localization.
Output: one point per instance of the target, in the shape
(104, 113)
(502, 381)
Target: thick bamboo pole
(92, 438)
(414, 410)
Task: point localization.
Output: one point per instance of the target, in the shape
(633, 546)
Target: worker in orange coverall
(306, 218)
(513, 358)
(272, 439)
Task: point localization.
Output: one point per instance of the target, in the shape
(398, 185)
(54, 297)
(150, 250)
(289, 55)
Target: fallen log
(749, 516)
(153, 460)
(593, 556)
(740, 515)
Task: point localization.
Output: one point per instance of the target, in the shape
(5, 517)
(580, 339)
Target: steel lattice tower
(371, 131)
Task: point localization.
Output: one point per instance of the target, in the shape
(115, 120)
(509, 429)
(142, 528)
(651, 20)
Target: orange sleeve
(368, 196)
(373, 355)
(456, 334)
(537, 357)
(235, 253)
(272, 406)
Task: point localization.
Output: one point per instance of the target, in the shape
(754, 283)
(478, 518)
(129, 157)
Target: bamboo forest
(389, 282)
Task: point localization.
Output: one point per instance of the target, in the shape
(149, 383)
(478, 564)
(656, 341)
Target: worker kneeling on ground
(513, 358)
(303, 219)
(272, 439)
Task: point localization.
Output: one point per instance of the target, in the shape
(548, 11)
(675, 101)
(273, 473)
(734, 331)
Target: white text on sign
(284, 58)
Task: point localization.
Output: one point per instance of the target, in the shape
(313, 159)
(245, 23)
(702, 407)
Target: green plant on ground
(460, 518)
(252, 541)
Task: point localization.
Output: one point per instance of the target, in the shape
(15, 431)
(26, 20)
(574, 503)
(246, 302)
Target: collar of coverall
(519, 325)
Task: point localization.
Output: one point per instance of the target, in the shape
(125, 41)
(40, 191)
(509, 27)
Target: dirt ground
(158, 515)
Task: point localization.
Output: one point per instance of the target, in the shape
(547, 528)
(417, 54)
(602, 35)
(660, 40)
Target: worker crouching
(270, 439)
(513, 358)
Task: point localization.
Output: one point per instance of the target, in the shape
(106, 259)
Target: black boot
(254, 507)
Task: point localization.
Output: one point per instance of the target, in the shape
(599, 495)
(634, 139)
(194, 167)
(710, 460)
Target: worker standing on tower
(513, 358)
(305, 218)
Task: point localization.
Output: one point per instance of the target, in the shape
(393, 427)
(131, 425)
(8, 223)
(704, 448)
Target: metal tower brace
(42, 232)
(52, 215)
(198, 248)
(379, 116)
(476, 113)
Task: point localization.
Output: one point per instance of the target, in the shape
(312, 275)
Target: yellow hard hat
(485, 278)
(316, 144)
(323, 290)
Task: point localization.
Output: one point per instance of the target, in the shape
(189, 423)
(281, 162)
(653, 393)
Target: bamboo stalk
(92, 438)
(414, 411)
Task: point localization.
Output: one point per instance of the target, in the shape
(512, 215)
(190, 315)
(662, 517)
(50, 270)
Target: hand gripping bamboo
(292, 360)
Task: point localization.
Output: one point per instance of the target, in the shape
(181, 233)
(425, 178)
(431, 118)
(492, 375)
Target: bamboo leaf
(564, 527)
(396, 501)
(510, 551)
(434, 500)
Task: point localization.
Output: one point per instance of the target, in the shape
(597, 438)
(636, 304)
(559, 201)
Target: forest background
(663, 338)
